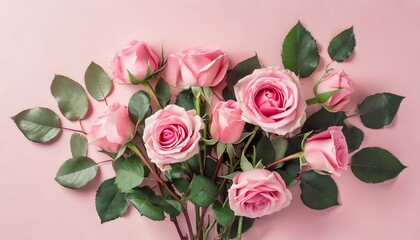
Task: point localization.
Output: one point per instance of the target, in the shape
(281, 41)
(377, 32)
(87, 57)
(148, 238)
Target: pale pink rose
(171, 135)
(272, 99)
(327, 151)
(334, 81)
(112, 129)
(204, 67)
(258, 192)
(135, 58)
(227, 124)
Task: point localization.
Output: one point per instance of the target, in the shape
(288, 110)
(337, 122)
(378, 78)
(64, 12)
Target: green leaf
(146, 202)
(246, 225)
(245, 164)
(110, 202)
(78, 145)
(77, 172)
(129, 173)
(71, 97)
(203, 192)
(38, 124)
(341, 46)
(223, 214)
(379, 110)
(220, 149)
(171, 207)
(354, 137)
(185, 99)
(163, 92)
(289, 171)
(300, 52)
(323, 119)
(175, 172)
(375, 165)
(265, 151)
(181, 184)
(98, 84)
(318, 191)
(138, 106)
(280, 146)
(241, 70)
(207, 94)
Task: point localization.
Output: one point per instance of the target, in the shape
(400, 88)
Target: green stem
(152, 93)
(288, 158)
(311, 101)
(239, 234)
(197, 219)
(198, 105)
(206, 233)
(254, 132)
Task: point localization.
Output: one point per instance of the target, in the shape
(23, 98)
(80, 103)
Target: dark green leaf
(146, 202)
(318, 191)
(175, 172)
(193, 162)
(300, 52)
(280, 146)
(375, 165)
(181, 184)
(171, 207)
(71, 97)
(354, 137)
(129, 173)
(210, 168)
(323, 119)
(246, 225)
(110, 202)
(77, 172)
(138, 106)
(203, 191)
(223, 214)
(265, 151)
(342, 45)
(185, 99)
(163, 92)
(98, 83)
(38, 124)
(241, 70)
(289, 171)
(378, 110)
(78, 145)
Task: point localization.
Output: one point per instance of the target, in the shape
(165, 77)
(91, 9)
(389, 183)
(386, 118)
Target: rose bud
(338, 82)
(136, 58)
(113, 129)
(327, 151)
(258, 192)
(171, 135)
(227, 124)
(204, 67)
(272, 99)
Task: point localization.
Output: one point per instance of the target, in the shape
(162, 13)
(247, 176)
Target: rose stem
(206, 233)
(178, 229)
(198, 112)
(254, 132)
(74, 130)
(218, 165)
(152, 93)
(152, 170)
(290, 157)
(239, 234)
(187, 219)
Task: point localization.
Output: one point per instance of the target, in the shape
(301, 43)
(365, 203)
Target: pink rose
(331, 82)
(113, 129)
(135, 58)
(258, 192)
(171, 135)
(203, 67)
(227, 124)
(327, 151)
(272, 99)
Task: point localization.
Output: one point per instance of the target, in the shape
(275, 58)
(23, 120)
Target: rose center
(269, 101)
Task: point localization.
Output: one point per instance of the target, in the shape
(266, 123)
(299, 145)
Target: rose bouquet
(231, 154)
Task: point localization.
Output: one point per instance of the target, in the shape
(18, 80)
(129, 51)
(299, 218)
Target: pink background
(43, 38)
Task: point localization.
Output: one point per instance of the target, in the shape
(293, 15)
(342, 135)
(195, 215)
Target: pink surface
(42, 38)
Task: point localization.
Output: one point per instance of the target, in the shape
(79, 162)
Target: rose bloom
(113, 129)
(227, 124)
(135, 58)
(204, 67)
(327, 151)
(272, 99)
(171, 135)
(334, 81)
(258, 192)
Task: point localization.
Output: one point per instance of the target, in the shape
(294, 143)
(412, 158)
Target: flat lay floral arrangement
(230, 155)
